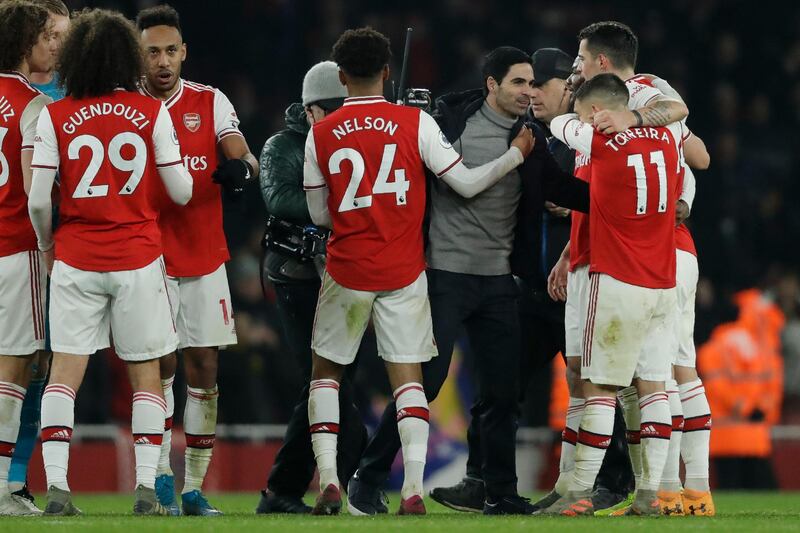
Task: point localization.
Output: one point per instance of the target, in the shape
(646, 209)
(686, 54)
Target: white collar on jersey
(361, 100)
(169, 102)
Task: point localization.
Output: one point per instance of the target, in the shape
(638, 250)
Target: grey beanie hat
(321, 84)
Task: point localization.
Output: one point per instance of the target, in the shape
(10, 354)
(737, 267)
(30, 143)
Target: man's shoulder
(453, 109)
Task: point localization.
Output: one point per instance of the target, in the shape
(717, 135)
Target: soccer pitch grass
(736, 511)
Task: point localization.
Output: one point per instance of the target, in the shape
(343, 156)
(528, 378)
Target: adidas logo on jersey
(62, 434)
(605, 443)
(648, 431)
(144, 440)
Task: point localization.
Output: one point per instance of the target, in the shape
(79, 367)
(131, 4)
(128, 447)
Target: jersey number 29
(382, 184)
(135, 165)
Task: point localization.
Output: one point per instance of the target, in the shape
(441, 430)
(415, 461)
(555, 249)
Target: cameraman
(297, 285)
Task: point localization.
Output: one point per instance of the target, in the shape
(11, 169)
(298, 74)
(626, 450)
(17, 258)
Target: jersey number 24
(382, 184)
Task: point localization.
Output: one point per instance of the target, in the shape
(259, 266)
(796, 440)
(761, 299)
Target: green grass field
(111, 512)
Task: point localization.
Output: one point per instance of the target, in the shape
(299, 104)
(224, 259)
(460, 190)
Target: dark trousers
(294, 465)
(542, 338)
(487, 307)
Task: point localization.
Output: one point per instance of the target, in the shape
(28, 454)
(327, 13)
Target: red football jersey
(20, 104)
(634, 184)
(370, 154)
(106, 150)
(684, 240)
(579, 230)
(193, 236)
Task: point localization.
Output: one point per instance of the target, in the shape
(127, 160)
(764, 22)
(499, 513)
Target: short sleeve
(29, 119)
(312, 175)
(641, 94)
(436, 151)
(575, 134)
(226, 122)
(166, 147)
(45, 143)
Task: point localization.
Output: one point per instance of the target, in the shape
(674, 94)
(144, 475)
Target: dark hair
(614, 40)
(163, 15)
(362, 53)
(53, 6)
(23, 23)
(607, 87)
(498, 62)
(100, 53)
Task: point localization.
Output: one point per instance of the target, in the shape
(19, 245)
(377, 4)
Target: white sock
(696, 434)
(594, 437)
(412, 424)
(656, 429)
(323, 420)
(147, 426)
(569, 439)
(200, 426)
(166, 444)
(58, 419)
(671, 477)
(11, 398)
(629, 398)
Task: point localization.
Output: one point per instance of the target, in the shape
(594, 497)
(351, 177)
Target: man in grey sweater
(470, 281)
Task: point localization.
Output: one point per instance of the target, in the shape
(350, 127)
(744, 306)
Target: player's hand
(557, 211)
(524, 141)
(557, 280)
(609, 122)
(234, 175)
(49, 258)
(681, 212)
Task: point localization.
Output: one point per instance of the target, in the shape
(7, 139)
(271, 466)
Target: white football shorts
(132, 305)
(575, 310)
(402, 320)
(23, 285)
(687, 274)
(630, 332)
(202, 310)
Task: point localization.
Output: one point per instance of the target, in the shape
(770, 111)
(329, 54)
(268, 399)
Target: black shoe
(24, 493)
(364, 499)
(466, 495)
(275, 503)
(512, 504)
(603, 498)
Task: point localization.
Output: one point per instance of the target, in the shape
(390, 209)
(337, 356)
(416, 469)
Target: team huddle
(113, 191)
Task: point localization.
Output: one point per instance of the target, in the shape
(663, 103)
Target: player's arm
(660, 108)
(315, 186)
(27, 125)
(695, 152)
(44, 165)
(440, 157)
(240, 166)
(177, 180)
(569, 129)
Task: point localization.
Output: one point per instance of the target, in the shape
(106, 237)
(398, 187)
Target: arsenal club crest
(191, 121)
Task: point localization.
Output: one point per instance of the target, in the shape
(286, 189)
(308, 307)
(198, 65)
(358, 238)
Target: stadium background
(737, 68)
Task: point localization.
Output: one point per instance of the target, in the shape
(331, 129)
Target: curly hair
(613, 39)
(53, 6)
(163, 15)
(23, 23)
(362, 53)
(100, 53)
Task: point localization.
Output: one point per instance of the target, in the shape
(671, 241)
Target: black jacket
(542, 178)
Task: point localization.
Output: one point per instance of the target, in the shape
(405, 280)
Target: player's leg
(653, 370)
(611, 345)
(696, 410)
(165, 479)
(335, 340)
(404, 333)
(79, 326)
(143, 331)
(574, 322)
(452, 296)
(29, 426)
(669, 492)
(205, 321)
(21, 335)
